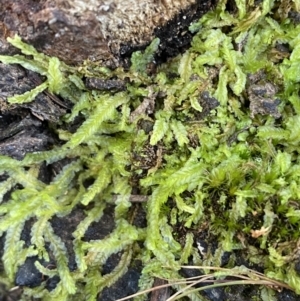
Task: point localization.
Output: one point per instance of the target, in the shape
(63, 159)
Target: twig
(134, 198)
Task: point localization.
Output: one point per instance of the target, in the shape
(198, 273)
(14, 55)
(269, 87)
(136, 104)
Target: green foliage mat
(232, 169)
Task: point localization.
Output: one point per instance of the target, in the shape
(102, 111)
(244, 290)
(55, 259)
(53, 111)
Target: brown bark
(161, 294)
(101, 30)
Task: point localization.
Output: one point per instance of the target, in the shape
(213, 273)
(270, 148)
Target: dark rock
(287, 295)
(100, 229)
(51, 283)
(295, 16)
(261, 95)
(225, 258)
(214, 294)
(146, 125)
(207, 103)
(104, 84)
(297, 266)
(174, 35)
(125, 286)
(26, 232)
(64, 227)
(140, 217)
(111, 263)
(28, 274)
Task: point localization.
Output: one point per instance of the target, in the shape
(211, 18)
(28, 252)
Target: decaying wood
(15, 80)
(102, 30)
(161, 294)
(106, 31)
(21, 125)
(134, 198)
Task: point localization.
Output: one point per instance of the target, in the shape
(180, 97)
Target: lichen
(221, 168)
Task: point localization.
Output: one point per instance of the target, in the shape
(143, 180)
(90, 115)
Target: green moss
(233, 170)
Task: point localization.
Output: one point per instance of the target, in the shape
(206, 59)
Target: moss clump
(222, 155)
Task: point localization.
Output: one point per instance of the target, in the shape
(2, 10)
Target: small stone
(28, 274)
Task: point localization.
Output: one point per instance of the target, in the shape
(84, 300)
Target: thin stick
(134, 198)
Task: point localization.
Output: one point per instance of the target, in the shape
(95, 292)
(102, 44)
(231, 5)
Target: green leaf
(209, 58)
(139, 60)
(5, 186)
(239, 86)
(270, 132)
(292, 73)
(228, 240)
(183, 206)
(166, 233)
(179, 132)
(214, 38)
(185, 66)
(240, 207)
(293, 279)
(276, 258)
(29, 95)
(60, 253)
(229, 54)
(12, 246)
(98, 186)
(55, 76)
(283, 161)
(248, 22)
(92, 215)
(267, 5)
(105, 110)
(77, 81)
(189, 89)
(222, 93)
(24, 62)
(121, 268)
(161, 127)
(25, 48)
(80, 106)
(268, 294)
(187, 250)
(100, 250)
(241, 5)
(37, 235)
(154, 240)
(295, 100)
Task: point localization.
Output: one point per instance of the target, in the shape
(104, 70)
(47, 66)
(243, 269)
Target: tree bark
(99, 30)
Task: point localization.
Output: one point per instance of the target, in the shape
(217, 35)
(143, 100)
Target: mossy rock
(203, 147)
